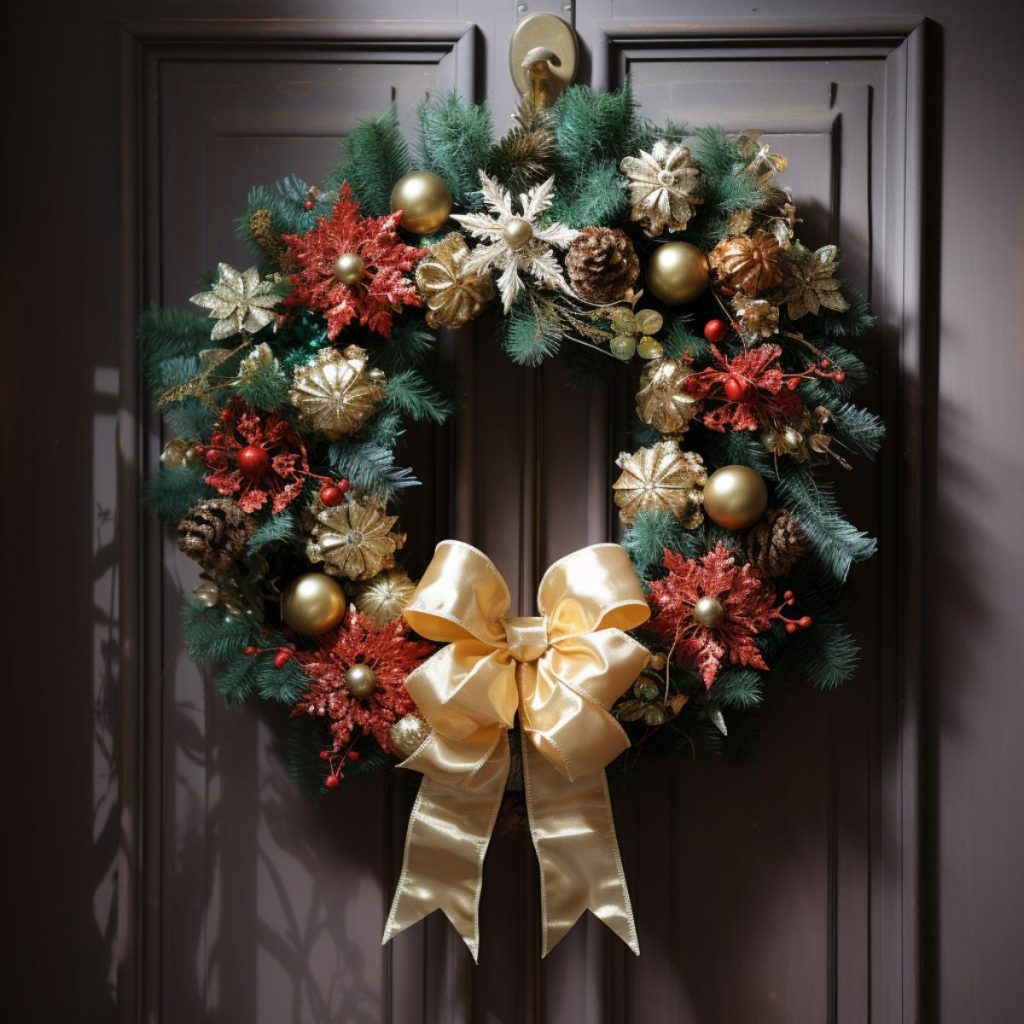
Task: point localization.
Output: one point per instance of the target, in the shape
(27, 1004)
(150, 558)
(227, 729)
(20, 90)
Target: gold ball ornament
(677, 273)
(425, 201)
(312, 604)
(408, 733)
(708, 611)
(735, 497)
(360, 680)
(350, 268)
(517, 232)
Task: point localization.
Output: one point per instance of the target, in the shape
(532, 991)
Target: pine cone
(602, 264)
(775, 544)
(750, 264)
(214, 533)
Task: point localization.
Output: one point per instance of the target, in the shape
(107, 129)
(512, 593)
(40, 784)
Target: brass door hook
(543, 58)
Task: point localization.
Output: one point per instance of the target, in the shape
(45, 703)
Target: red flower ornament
(255, 456)
(353, 268)
(714, 589)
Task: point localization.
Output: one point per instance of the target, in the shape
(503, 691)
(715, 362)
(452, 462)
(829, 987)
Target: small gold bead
(360, 681)
(708, 611)
(517, 232)
(349, 268)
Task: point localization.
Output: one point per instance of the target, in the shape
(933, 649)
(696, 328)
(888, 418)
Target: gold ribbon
(561, 672)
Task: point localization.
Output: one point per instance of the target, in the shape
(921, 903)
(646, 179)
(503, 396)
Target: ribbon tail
(448, 834)
(574, 835)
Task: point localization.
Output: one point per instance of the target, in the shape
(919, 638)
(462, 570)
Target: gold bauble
(350, 268)
(735, 497)
(662, 401)
(408, 733)
(335, 392)
(360, 680)
(425, 201)
(517, 232)
(677, 272)
(660, 477)
(385, 597)
(312, 604)
(708, 611)
(452, 296)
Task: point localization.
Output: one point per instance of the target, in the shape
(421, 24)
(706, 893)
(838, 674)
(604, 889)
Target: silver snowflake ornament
(238, 301)
(664, 187)
(515, 243)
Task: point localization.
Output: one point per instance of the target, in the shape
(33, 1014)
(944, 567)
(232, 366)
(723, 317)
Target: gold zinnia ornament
(811, 282)
(354, 540)
(385, 597)
(757, 318)
(664, 187)
(662, 401)
(335, 392)
(751, 264)
(452, 296)
(661, 477)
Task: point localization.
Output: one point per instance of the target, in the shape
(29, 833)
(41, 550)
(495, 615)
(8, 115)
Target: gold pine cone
(354, 539)
(385, 597)
(661, 477)
(750, 264)
(452, 296)
(334, 392)
(775, 544)
(662, 401)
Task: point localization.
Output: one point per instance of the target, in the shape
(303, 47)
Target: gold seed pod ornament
(354, 540)
(312, 604)
(425, 201)
(452, 296)
(750, 264)
(661, 477)
(335, 392)
(408, 733)
(677, 273)
(385, 597)
(662, 401)
(735, 497)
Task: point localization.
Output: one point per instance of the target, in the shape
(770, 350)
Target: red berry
(308, 204)
(353, 755)
(331, 782)
(788, 596)
(252, 461)
(793, 383)
(738, 390)
(325, 755)
(343, 485)
(825, 363)
(225, 415)
(282, 658)
(790, 627)
(250, 650)
(805, 622)
(716, 331)
(331, 495)
(840, 376)
(211, 457)
(199, 449)
(264, 632)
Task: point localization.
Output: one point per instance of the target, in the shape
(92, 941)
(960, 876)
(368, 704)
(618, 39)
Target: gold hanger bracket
(543, 58)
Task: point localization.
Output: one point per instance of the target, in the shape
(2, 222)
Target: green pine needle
(455, 140)
(374, 157)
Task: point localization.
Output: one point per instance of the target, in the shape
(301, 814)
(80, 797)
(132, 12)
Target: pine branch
(374, 157)
(651, 532)
(524, 156)
(174, 491)
(410, 393)
(455, 140)
(166, 334)
(371, 468)
(527, 339)
(275, 529)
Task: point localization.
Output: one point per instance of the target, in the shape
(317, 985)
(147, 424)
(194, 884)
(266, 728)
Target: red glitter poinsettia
(754, 391)
(747, 608)
(390, 655)
(381, 291)
(256, 456)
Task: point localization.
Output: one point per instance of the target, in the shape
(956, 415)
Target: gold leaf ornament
(810, 281)
(662, 401)
(661, 477)
(452, 296)
(335, 392)
(355, 540)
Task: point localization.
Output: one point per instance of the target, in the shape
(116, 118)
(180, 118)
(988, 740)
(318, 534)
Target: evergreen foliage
(374, 157)
(528, 339)
(370, 467)
(455, 142)
(171, 493)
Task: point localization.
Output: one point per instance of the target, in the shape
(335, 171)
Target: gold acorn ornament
(312, 604)
(385, 597)
(735, 497)
(660, 477)
(335, 392)
(452, 296)
(355, 540)
(408, 733)
(751, 264)
(662, 401)
(425, 201)
(677, 273)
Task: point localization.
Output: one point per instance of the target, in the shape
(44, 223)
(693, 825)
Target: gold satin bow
(561, 672)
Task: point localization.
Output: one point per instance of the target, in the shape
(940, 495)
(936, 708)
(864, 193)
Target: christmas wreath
(588, 228)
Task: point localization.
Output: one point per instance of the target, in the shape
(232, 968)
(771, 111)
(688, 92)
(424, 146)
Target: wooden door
(779, 891)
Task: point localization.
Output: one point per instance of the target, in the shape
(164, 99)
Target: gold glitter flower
(661, 477)
(354, 540)
(810, 281)
(335, 392)
(238, 301)
(662, 401)
(452, 296)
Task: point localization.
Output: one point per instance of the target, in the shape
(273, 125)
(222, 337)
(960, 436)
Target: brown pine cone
(750, 264)
(602, 264)
(214, 533)
(775, 544)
